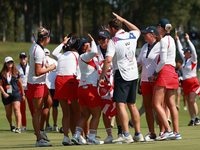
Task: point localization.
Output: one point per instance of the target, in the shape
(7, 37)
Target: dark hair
(5, 70)
(179, 61)
(67, 46)
(75, 45)
(115, 23)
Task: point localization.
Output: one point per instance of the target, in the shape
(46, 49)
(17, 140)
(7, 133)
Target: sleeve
(163, 55)
(194, 54)
(180, 49)
(39, 57)
(89, 55)
(135, 33)
(18, 75)
(110, 49)
(57, 50)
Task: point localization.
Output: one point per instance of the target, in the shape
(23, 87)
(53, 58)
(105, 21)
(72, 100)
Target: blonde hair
(158, 37)
(168, 27)
(41, 32)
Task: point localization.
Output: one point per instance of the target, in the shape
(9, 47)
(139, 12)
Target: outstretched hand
(90, 38)
(118, 17)
(176, 38)
(187, 36)
(65, 40)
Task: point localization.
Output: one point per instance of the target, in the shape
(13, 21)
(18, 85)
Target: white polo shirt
(36, 56)
(51, 76)
(24, 74)
(189, 66)
(149, 63)
(122, 48)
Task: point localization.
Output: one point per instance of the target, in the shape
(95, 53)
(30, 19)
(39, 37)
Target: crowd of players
(86, 80)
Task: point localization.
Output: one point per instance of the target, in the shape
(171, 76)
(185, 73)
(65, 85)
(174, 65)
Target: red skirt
(147, 87)
(168, 78)
(66, 87)
(190, 85)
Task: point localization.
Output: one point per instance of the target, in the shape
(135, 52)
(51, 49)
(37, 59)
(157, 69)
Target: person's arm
(57, 50)
(194, 54)
(129, 25)
(21, 88)
(40, 71)
(5, 95)
(179, 45)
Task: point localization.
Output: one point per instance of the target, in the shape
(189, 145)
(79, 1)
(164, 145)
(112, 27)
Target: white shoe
(66, 141)
(166, 136)
(109, 139)
(24, 128)
(17, 130)
(178, 136)
(82, 139)
(94, 142)
(185, 108)
(55, 128)
(48, 128)
(138, 138)
(42, 143)
(149, 137)
(77, 140)
(123, 139)
(44, 136)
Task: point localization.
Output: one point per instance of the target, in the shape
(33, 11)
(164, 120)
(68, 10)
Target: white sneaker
(42, 143)
(48, 128)
(166, 136)
(17, 130)
(66, 141)
(178, 136)
(77, 140)
(82, 139)
(24, 128)
(44, 136)
(109, 139)
(185, 108)
(149, 137)
(123, 139)
(94, 142)
(55, 128)
(138, 138)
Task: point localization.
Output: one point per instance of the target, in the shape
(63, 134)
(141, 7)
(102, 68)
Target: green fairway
(26, 140)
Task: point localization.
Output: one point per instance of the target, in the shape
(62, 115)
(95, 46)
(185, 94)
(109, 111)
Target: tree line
(19, 18)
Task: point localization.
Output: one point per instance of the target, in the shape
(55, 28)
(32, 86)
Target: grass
(26, 140)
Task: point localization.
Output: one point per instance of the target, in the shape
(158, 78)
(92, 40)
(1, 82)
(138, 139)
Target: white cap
(193, 28)
(47, 52)
(7, 59)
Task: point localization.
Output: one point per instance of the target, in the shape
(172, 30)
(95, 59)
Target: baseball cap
(46, 51)
(7, 59)
(82, 42)
(22, 55)
(163, 23)
(104, 91)
(187, 49)
(150, 29)
(104, 34)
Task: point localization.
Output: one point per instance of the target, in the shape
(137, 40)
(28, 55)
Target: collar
(40, 45)
(121, 31)
(167, 34)
(150, 47)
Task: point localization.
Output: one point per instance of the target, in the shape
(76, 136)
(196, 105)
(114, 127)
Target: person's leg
(170, 101)
(184, 103)
(107, 124)
(147, 100)
(142, 109)
(76, 108)
(158, 97)
(72, 120)
(37, 105)
(48, 102)
(119, 127)
(192, 96)
(190, 105)
(55, 115)
(8, 109)
(178, 95)
(65, 119)
(23, 112)
(47, 119)
(16, 107)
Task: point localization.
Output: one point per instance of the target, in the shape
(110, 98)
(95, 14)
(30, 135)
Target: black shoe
(12, 128)
(169, 121)
(61, 130)
(130, 124)
(191, 123)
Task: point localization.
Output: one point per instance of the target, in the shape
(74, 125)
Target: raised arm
(194, 54)
(179, 45)
(127, 23)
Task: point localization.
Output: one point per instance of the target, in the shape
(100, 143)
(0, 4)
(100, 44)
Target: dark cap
(163, 23)
(150, 29)
(22, 55)
(104, 34)
(82, 42)
(187, 49)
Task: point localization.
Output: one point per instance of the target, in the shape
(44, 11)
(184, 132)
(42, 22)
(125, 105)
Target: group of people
(86, 80)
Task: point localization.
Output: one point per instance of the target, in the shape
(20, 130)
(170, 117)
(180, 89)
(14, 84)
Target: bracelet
(63, 43)
(155, 73)
(101, 78)
(23, 94)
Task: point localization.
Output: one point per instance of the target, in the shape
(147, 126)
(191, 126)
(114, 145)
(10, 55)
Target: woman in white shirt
(190, 81)
(166, 81)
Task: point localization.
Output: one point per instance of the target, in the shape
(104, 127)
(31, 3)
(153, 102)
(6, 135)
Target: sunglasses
(99, 39)
(10, 62)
